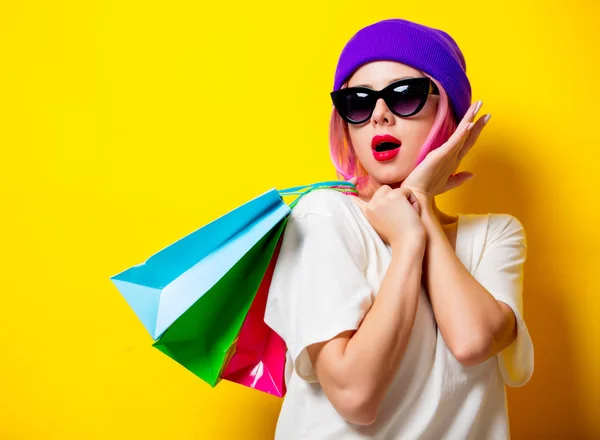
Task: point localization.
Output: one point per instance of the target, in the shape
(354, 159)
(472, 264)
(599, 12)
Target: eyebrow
(391, 81)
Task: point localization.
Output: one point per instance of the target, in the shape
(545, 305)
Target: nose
(382, 114)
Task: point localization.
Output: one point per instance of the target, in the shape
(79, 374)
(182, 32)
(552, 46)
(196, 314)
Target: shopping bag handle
(336, 185)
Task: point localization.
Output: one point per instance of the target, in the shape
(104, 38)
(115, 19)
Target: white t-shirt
(329, 270)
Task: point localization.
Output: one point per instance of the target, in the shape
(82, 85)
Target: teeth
(385, 146)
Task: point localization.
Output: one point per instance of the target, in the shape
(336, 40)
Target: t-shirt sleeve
(318, 289)
(500, 271)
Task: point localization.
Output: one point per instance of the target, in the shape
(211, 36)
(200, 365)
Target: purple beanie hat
(429, 50)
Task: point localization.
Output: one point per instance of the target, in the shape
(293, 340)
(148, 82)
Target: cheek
(417, 130)
(361, 140)
(413, 134)
(416, 135)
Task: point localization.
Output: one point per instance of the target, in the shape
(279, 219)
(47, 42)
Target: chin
(388, 175)
(394, 182)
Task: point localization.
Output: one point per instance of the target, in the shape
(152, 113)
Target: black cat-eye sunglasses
(404, 98)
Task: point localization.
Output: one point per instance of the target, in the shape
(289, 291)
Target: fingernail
(477, 107)
(487, 118)
(470, 126)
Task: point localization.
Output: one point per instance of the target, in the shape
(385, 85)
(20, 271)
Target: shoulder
(495, 222)
(494, 227)
(325, 203)
(331, 215)
(503, 226)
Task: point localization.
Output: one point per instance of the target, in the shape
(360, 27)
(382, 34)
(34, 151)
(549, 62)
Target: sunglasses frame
(426, 84)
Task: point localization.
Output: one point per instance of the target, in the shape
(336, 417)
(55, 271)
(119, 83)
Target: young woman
(401, 321)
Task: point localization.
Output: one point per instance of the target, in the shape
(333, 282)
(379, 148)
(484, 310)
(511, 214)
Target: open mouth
(386, 146)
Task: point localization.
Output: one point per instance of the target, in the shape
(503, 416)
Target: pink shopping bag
(259, 358)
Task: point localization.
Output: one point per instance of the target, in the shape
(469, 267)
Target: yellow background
(126, 125)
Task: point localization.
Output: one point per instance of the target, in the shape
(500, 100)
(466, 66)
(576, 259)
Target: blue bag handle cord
(340, 186)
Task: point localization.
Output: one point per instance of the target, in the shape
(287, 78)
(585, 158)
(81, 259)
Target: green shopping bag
(194, 295)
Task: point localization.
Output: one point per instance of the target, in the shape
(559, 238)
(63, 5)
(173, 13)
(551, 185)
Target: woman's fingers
(456, 180)
(462, 144)
(381, 191)
(410, 196)
(473, 136)
(406, 192)
(456, 140)
(462, 130)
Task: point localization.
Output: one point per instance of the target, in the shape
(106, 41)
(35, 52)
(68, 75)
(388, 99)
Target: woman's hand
(395, 215)
(434, 175)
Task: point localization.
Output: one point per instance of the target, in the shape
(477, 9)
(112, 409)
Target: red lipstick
(385, 147)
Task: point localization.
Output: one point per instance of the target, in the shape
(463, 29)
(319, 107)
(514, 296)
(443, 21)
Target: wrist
(429, 217)
(415, 244)
(425, 201)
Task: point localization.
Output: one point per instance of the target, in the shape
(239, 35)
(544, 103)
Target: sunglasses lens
(356, 106)
(405, 99)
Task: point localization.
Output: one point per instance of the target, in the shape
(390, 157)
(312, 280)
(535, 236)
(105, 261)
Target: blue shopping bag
(194, 295)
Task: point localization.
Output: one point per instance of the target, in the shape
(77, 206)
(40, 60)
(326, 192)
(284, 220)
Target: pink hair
(342, 151)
